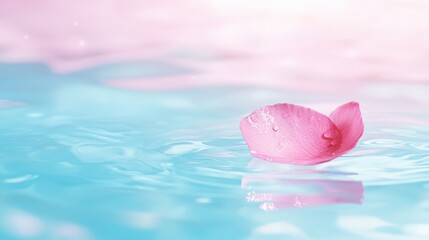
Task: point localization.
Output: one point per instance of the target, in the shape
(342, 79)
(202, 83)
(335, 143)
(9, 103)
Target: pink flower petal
(348, 120)
(289, 133)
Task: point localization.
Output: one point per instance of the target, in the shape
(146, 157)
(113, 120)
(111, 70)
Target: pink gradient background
(300, 44)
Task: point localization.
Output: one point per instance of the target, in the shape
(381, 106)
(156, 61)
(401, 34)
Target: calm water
(83, 160)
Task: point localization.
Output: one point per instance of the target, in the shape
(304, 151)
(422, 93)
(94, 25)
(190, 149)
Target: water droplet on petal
(335, 142)
(330, 134)
(275, 128)
(327, 135)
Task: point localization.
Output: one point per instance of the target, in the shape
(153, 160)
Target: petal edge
(348, 120)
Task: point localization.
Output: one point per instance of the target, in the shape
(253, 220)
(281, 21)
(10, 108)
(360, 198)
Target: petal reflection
(300, 188)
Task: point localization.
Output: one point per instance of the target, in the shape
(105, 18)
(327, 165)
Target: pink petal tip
(288, 133)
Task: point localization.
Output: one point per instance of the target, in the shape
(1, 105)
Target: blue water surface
(82, 160)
